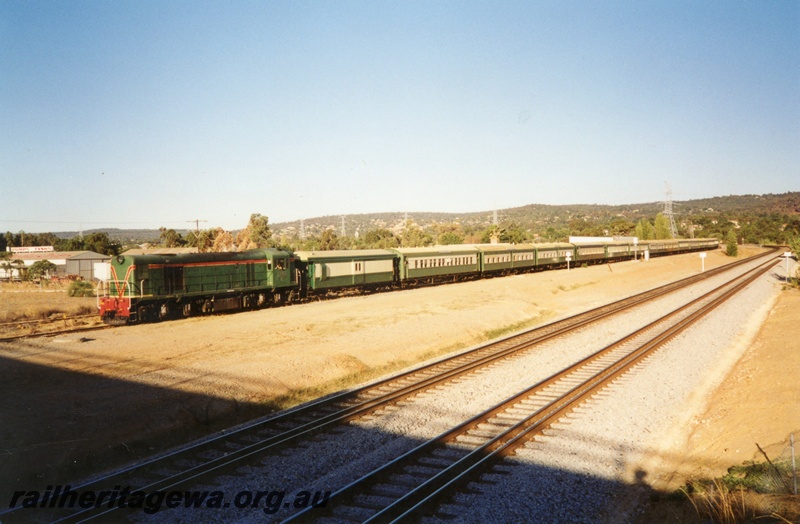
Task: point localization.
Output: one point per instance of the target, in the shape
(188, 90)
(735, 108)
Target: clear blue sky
(148, 113)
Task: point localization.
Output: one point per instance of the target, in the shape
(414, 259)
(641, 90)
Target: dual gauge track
(414, 483)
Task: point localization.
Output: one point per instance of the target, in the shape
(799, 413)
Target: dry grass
(721, 504)
(26, 301)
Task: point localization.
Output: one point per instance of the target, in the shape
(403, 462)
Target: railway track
(48, 327)
(411, 485)
(246, 443)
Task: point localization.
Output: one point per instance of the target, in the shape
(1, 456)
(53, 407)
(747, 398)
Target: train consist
(146, 288)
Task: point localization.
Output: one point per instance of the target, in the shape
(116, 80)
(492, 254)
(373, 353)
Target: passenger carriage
(590, 253)
(338, 269)
(619, 250)
(554, 254)
(506, 257)
(437, 263)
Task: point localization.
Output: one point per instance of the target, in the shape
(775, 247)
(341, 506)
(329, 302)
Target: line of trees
(764, 228)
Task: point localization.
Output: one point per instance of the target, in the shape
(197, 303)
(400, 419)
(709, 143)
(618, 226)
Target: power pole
(673, 229)
(196, 222)
(302, 229)
(343, 231)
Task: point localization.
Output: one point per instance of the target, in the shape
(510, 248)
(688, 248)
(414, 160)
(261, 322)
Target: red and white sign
(32, 249)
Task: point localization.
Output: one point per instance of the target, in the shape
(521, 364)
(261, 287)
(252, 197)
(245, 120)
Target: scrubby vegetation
(754, 490)
(80, 288)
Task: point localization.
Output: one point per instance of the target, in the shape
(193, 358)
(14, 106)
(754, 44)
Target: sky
(151, 113)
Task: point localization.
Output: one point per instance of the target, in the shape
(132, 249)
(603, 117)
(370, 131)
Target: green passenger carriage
(553, 255)
(326, 270)
(437, 263)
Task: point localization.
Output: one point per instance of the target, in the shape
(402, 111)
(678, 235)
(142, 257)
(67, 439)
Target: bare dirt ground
(77, 404)
(756, 405)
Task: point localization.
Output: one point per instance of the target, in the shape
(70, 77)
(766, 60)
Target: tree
(171, 238)
(191, 239)
(731, 247)
(513, 234)
(619, 226)
(492, 234)
(12, 266)
(380, 239)
(256, 235)
(414, 236)
(97, 242)
(223, 241)
(449, 238)
(645, 230)
(794, 245)
(329, 240)
(39, 269)
(205, 240)
(662, 230)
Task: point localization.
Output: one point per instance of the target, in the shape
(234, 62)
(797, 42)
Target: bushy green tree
(380, 239)
(99, 242)
(39, 269)
(731, 247)
(644, 230)
(414, 236)
(257, 232)
(329, 240)
(661, 229)
(205, 240)
(449, 238)
(171, 238)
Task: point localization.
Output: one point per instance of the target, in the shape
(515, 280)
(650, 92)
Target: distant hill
(533, 215)
(529, 217)
(124, 236)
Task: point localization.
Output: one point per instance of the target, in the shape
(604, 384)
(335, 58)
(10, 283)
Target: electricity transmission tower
(673, 229)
